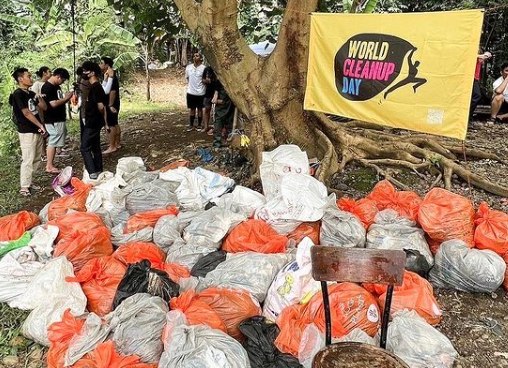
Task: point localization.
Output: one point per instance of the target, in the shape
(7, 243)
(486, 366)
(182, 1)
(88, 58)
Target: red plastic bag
(254, 236)
(175, 165)
(148, 219)
(405, 203)
(60, 335)
(197, 311)
(80, 247)
(135, 252)
(12, 227)
(105, 356)
(415, 293)
(364, 209)
(351, 307)
(491, 229)
(306, 229)
(99, 280)
(444, 215)
(72, 222)
(232, 306)
(76, 201)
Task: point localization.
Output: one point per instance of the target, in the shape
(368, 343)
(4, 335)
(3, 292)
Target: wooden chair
(357, 265)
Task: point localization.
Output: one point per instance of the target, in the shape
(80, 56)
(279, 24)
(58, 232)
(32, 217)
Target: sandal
(35, 187)
(25, 192)
(54, 171)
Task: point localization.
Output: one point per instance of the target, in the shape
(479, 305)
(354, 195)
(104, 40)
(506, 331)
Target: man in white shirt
(499, 110)
(195, 91)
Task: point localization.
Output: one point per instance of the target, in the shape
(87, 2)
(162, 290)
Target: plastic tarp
(471, 270)
(137, 326)
(253, 272)
(293, 284)
(419, 344)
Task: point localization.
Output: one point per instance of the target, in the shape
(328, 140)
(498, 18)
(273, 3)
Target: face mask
(85, 76)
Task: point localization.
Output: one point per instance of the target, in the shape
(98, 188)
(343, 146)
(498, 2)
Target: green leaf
(125, 58)
(61, 37)
(370, 6)
(123, 34)
(20, 21)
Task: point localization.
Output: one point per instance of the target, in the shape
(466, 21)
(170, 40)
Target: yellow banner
(413, 71)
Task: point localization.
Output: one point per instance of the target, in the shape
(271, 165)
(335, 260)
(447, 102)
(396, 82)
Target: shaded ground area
(477, 324)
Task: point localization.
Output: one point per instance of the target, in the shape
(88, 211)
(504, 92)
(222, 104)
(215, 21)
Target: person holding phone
(26, 106)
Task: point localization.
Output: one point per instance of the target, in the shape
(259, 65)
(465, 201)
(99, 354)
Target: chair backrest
(374, 266)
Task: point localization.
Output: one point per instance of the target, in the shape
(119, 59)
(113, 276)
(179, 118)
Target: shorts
(195, 102)
(57, 134)
(112, 118)
(208, 101)
(504, 108)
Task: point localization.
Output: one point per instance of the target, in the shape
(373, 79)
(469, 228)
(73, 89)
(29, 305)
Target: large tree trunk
(270, 91)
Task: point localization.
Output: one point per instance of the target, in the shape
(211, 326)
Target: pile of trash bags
(183, 268)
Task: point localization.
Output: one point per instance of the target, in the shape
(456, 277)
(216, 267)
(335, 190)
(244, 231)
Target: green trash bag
(7, 246)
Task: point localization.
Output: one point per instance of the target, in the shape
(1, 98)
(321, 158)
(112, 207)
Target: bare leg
(497, 102)
(50, 164)
(118, 144)
(206, 117)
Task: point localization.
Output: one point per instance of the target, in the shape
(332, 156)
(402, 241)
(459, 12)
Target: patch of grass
(132, 108)
(362, 179)
(10, 200)
(11, 340)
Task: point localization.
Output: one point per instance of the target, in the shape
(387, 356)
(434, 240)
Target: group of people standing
(40, 113)
(204, 91)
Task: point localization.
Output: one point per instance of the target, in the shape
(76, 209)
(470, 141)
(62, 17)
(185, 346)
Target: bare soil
(477, 324)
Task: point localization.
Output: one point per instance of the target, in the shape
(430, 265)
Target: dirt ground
(477, 324)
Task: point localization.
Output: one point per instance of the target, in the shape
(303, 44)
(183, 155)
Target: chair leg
(328, 317)
(386, 316)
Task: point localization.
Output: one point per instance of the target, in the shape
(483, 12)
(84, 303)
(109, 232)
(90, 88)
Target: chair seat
(356, 355)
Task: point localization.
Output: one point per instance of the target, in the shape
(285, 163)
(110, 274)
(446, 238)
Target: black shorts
(112, 118)
(195, 102)
(504, 108)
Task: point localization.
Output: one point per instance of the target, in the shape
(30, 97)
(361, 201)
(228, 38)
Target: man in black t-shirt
(56, 115)
(113, 104)
(26, 106)
(210, 82)
(94, 120)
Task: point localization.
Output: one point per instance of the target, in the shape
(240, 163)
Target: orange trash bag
(415, 293)
(444, 215)
(405, 203)
(351, 307)
(134, 252)
(60, 335)
(99, 280)
(147, 219)
(12, 227)
(254, 236)
(76, 222)
(175, 165)
(76, 201)
(232, 306)
(306, 229)
(491, 229)
(105, 356)
(196, 311)
(364, 209)
(79, 247)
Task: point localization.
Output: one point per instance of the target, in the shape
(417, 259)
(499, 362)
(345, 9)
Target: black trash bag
(140, 278)
(260, 337)
(208, 263)
(416, 262)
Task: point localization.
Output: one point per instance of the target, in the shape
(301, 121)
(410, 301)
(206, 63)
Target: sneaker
(199, 129)
(190, 129)
(43, 159)
(94, 176)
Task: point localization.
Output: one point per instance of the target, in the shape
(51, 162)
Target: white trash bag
(118, 237)
(250, 271)
(471, 270)
(43, 241)
(340, 228)
(188, 253)
(213, 224)
(242, 200)
(419, 344)
(293, 284)
(166, 232)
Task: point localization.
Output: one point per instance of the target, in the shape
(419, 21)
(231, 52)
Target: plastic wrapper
(137, 326)
(203, 347)
(278, 163)
(293, 284)
(491, 230)
(166, 232)
(79, 247)
(147, 196)
(208, 263)
(364, 209)
(241, 200)
(99, 279)
(405, 203)
(341, 229)
(444, 215)
(140, 278)
(415, 293)
(75, 202)
(12, 227)
(397, 233)
(232, 306)
(213, 224)
(419, 344)
(253, 272)
(472, 270)
(360, 311)
(260, 337)
(142, 220)
(254, 236)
